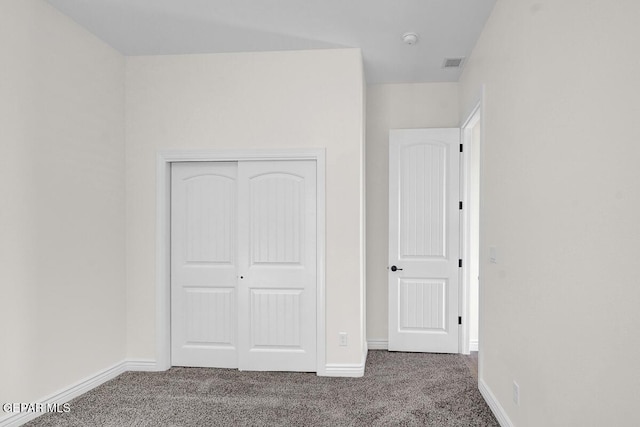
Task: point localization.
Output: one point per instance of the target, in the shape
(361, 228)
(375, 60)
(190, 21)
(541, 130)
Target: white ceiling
(447, 28)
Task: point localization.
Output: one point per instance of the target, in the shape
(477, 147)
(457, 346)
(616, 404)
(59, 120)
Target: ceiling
(446, 29)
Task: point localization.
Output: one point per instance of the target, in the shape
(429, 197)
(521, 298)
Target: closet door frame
(163, 234)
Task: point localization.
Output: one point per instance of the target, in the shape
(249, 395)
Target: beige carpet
(408, 389)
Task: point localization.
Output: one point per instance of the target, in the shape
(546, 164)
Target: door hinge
(461, 149)
(460, 205)
(459, 320)
(460, 263)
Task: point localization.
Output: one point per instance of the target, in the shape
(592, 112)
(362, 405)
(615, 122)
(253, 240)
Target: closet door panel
(277, 289)
(204, 264)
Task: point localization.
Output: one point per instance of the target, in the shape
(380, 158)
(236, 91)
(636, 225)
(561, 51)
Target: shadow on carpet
(408, 389)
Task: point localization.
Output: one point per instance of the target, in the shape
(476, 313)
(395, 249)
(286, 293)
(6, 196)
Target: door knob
(394, 268)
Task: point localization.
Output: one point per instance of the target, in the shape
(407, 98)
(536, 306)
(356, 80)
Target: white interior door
(277, 288)
(424, 240)
(243, 267)
(203, 264)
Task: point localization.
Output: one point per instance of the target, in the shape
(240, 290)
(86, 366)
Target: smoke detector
(410, 38)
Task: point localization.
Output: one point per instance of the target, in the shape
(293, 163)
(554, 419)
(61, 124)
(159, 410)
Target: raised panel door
(424, 227)
(277, 289)
(204, 264)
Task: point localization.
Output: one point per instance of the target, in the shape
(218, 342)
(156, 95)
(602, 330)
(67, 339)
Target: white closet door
(277, 285)
(203, 264)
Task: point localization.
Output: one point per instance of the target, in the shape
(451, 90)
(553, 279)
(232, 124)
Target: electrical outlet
(343, 339)
(516, 393)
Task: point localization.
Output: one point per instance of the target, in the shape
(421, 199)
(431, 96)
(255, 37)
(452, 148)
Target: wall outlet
(342, 336)
(516, 393)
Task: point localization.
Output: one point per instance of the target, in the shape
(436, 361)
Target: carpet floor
(408, 389)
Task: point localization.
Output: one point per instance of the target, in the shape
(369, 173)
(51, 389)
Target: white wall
(62, 276)
(249, 100)
(394, 106)
(561, 203)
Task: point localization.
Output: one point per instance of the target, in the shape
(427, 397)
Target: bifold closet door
(243, 249)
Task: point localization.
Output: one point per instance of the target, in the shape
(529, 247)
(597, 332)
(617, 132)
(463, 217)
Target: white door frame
(163, 232)
(471, 119)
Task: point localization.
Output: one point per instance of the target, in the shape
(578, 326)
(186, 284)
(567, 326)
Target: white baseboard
(142, 366)
(354, 370)
(66, 394)
(378, 344)
(384, 345)
(496, 408)
(77, 389)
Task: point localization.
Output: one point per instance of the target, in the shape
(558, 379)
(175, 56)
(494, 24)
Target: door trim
(465, 224)
(164, 159)
(474, 114)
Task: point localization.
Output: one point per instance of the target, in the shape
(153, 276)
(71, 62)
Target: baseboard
(384, 345)
(378, 344)
(66, 394)
(69, 393)
(496, 408)
(142, 366)
(354, 370)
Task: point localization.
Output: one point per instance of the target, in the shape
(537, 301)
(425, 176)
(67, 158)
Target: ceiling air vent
(452, 62)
